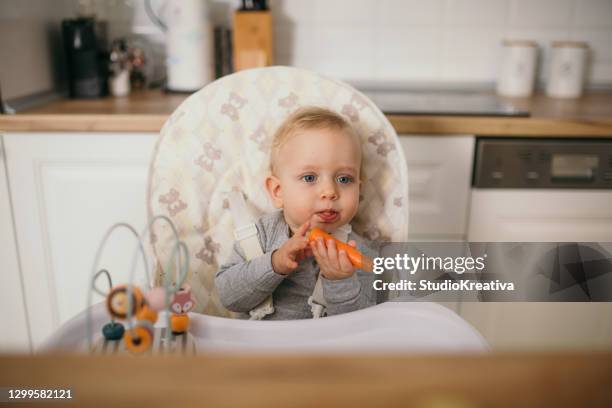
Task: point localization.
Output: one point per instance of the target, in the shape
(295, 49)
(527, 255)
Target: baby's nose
(329, 192)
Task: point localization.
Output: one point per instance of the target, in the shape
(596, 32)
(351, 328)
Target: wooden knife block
(252, 39)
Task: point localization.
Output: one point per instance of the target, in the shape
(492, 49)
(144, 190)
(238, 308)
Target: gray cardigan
(243, 284)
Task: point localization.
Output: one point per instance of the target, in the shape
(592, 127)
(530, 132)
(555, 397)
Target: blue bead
(113, 331)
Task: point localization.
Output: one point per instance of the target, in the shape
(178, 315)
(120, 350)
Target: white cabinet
(439, 174)
(14, 322)
(66, 191)
(544, 326)
(546, 216)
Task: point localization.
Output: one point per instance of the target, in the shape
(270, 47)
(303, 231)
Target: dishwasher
(542, 190)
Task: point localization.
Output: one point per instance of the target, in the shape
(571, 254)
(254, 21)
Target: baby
(315, 167)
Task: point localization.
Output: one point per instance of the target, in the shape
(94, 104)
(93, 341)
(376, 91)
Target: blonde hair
(306, 118)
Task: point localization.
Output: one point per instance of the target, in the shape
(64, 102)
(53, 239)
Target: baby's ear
(273, 188)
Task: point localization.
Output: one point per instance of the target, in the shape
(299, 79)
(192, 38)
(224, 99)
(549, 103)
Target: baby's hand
(334, 264)
(287, 257)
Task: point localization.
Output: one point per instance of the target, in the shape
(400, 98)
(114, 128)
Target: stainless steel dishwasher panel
(543, 163)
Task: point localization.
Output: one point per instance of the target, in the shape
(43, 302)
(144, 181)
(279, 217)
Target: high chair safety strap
(317, 300)
(245, 232)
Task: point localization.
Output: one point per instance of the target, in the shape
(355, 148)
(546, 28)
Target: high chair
(217, 143)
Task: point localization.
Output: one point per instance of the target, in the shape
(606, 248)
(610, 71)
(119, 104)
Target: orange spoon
(358, 260)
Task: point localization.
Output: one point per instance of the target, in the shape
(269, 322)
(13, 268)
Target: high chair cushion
(218, 141)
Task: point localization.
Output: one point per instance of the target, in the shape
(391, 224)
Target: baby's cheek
(298, 207)
(305, 211)
(352, 198)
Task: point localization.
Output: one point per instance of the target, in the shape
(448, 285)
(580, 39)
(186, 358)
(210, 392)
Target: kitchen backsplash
(434, 40)
(425, 40)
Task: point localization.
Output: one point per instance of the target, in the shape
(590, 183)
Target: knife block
(252, 39)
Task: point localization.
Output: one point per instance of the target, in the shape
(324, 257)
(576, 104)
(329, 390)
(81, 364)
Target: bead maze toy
(139, 308)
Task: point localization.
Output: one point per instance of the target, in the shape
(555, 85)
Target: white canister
(518, 68)
(567, 69)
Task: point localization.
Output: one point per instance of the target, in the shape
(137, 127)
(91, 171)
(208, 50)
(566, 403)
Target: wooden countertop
(146, 111)
(460, 381)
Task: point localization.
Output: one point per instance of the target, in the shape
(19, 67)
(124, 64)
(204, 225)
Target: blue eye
(309, 178)
(345, 179)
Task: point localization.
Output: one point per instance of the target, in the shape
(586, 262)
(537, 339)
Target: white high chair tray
(408, 327)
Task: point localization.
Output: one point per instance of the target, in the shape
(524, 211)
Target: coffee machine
(85, 61)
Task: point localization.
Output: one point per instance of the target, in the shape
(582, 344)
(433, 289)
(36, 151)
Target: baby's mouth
(328, 216)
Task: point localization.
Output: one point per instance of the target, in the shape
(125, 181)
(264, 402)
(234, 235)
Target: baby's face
(317, 178)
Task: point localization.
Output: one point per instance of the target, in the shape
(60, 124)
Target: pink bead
(156, 298)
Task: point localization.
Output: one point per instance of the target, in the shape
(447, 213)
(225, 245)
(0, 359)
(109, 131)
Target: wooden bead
(147, 313)
(113, 331)
(179, 323)
(139, 339)
(117, 301)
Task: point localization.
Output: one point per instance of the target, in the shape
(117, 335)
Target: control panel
(543, 163)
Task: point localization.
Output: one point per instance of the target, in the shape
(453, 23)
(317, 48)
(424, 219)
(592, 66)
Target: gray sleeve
(243, 284)
(353, 293)
(350, 294)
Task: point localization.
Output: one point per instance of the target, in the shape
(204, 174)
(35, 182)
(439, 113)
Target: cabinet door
(13, 320)
(544, 216)
(544, 326)
(439, 174)
(67, 190)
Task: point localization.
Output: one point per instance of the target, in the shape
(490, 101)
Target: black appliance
(87, 72)
(543, 163)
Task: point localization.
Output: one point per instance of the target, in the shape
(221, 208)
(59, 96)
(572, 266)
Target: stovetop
(443, 103)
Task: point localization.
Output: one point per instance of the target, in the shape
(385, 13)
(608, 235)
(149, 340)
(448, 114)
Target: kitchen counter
(146, 111)
(500, 380)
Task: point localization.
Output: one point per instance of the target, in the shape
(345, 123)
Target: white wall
(433, 40)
